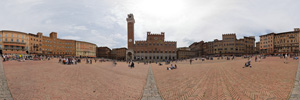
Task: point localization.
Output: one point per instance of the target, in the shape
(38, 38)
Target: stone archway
(129, 55)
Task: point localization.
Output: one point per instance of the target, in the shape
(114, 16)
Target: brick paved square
(208, 80)
(222, 79)
(49, 80)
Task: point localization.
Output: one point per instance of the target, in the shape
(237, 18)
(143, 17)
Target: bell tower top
(130, 31)
(130, 18)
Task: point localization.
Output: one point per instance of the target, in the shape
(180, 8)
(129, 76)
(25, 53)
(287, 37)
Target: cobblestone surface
(208, 80)
(4, 90)
(227, 80)
(295, 95)
(150, 91)
(49, 80)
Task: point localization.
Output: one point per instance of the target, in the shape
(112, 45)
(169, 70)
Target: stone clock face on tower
(130, 40)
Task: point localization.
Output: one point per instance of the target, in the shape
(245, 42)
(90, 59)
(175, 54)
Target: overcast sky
(103, 22)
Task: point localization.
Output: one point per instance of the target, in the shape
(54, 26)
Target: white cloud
(103, 22)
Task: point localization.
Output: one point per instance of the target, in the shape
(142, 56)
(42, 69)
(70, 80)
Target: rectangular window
(17, 40)
(5, 35)
(12, 35)
(17, 36)
(12, 40)
(5, 40)
(22, 41)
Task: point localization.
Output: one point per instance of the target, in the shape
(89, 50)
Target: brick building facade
(185, 53)
(229, 45)
(118, 53)
(53, 46)
(13, 42)
(103, 52)
(197, 47)
(35, 43)
(257, 46)
(154, 48)
(85, 49)
(280, 43)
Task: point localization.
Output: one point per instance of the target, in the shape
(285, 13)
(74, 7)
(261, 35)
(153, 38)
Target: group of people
(22, 58)
(248, 63)
(69, 61)
(130, 64)
(5, 58)
(88, 61)
(257, 58)
(13, 57)
(172, 67)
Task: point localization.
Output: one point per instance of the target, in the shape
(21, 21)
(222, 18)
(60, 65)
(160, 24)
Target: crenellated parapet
(229, 34)
(170, 41)
(155, 34)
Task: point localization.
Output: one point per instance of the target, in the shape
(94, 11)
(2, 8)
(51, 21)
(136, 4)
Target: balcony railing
(14, 42)
(10, 48)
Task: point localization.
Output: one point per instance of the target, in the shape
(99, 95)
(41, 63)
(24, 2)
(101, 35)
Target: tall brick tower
(130, 31)
(130, 36)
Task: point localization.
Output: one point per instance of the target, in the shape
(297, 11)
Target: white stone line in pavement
(4, 92)
(295, 95)
(150, 90)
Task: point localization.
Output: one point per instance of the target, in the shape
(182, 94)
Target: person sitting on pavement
(170, 68)
(296, 58)
(248, 63)
(159, 64)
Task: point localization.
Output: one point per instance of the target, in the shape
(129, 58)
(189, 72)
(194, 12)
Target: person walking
(285, 58)
(255, 58)
(3, 58)
(132, 65)
(75, 61)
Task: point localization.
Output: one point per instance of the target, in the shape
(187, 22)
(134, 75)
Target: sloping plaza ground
(49, 80)
(222, 79)
(208, 80)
